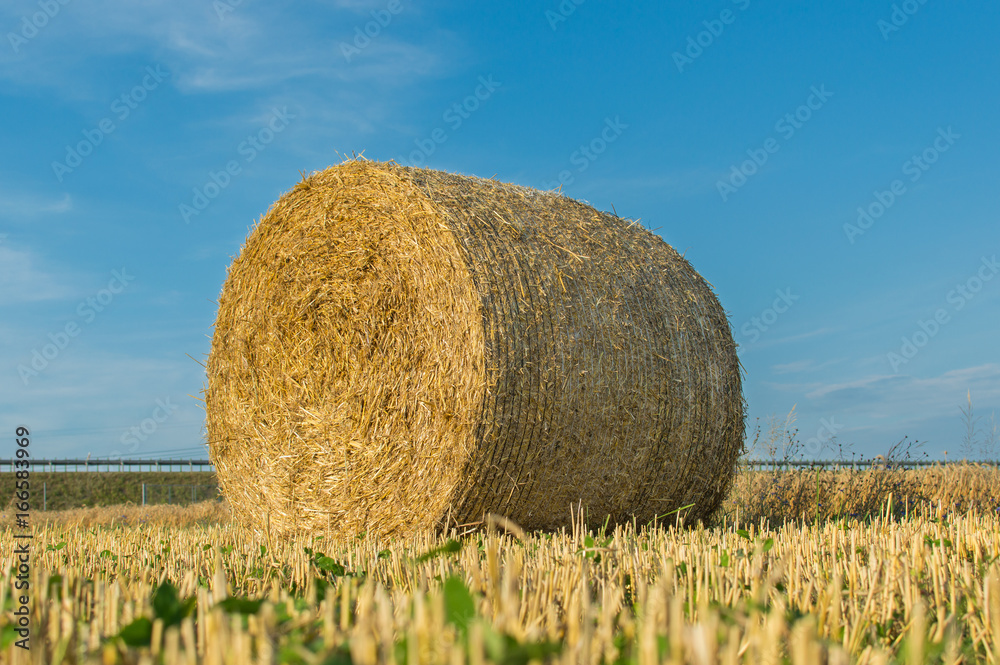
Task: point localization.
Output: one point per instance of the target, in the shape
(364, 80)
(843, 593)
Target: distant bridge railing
(855, 464)
(97, 464)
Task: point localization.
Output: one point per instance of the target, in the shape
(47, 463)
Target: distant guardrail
(97, 464)
(787, 465)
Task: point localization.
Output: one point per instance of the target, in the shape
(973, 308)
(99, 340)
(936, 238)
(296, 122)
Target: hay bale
(397, 348)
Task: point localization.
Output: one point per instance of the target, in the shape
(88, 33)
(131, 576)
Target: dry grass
(399, 348)
(206, 513)
(810, 494)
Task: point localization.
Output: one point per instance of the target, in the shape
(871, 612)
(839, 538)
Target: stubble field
(872, 566)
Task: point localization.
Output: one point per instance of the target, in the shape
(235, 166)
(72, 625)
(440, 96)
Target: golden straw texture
(398, 349)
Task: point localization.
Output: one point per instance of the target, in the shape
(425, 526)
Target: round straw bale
(400, 348)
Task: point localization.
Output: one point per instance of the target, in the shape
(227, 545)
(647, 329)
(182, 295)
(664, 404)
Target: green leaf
(165, 601)
(768, 544)
(263, 550)
(139, 633)
(237, 605)
(460, 607)
(724, 559)
(494, 643)
(168, 606)
(743, 533)
(450, 547)
(532, 651)
(384, 554)
(506, 650)
(321, 585)
(55, 585)
(675, 510)
(8, 635)
(291, 655)
(339, 656)
(329, 565)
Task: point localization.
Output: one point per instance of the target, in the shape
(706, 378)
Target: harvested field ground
(915, 579)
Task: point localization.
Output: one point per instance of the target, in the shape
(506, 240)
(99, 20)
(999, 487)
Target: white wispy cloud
(359, 6)
(252, 47)
(905, 399)
(15, 207)
(101, 394)
(808, 365)
(22, 279)
(877, 410)
(766, 342)
(818, 332)
(255, 57)
(792, 368)
(673, 185)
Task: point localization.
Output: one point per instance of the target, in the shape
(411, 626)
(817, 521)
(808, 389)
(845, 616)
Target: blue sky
(142, 140)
